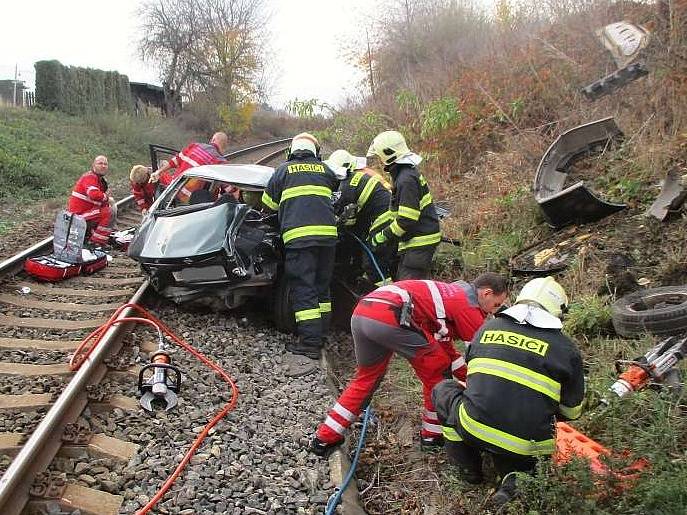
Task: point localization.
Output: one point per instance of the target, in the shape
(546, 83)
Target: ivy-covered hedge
(75, 90)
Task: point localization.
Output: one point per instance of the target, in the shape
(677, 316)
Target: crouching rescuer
(301, 191)
(522, 374)
(89, 199)
(419, 319)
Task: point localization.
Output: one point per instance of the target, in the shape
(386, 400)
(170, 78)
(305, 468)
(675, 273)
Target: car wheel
(659, 311)
(283, 313)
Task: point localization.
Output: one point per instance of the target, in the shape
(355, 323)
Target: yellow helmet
(305, 142)
(388, 146)
(139, 174)
(546, 292)
(341, 159)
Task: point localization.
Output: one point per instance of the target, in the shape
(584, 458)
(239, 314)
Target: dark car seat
(200, 197)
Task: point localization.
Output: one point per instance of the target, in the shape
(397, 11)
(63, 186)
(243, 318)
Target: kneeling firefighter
(523, 373)
(371, 195)
(301, 191)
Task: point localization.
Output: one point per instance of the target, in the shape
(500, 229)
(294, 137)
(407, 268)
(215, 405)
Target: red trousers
(375, 343)
(101, 219)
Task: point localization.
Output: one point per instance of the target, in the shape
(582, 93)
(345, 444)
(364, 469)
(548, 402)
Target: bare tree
(205, 48)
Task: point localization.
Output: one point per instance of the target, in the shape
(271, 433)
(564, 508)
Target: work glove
(377, 240)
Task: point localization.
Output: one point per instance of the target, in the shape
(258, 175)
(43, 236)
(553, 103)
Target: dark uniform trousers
(466, 453)
(309, 272)
(416, 263)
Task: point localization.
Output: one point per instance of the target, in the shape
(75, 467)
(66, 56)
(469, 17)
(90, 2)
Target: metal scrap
(672, 196)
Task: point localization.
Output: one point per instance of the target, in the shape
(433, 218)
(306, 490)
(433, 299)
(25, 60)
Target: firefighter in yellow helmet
(370, 195)
(523, 374)
(300, 190)
(415, 227)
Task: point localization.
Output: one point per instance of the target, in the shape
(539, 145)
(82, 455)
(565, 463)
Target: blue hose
(335, 499)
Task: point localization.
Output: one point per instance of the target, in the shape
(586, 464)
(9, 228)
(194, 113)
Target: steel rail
(43, 445)
(16, 262)
(271, 155)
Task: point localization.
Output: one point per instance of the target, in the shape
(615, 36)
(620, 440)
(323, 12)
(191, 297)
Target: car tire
(283, 313)
(659, 311)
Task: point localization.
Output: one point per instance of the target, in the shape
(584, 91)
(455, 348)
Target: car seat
(200, 197)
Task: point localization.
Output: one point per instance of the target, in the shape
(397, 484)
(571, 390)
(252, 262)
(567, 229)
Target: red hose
(81, 355)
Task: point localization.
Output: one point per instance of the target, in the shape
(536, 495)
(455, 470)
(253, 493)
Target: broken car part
(661, 311)
(576, 203)
(615, 81)
(624, 41)
(672, 196)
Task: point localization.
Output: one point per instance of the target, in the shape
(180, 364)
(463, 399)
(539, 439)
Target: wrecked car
(205, 237)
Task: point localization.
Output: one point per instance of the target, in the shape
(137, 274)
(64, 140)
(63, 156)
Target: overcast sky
(102, 34)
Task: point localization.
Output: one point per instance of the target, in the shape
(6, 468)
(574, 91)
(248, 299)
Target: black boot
(321, 448)
(303, 349)
(467, 459)
(431, 443)
(506, 492)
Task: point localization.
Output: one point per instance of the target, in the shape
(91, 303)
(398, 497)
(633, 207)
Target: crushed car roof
(251, 175)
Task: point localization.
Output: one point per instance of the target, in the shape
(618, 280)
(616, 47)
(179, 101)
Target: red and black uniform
(194, 154)
(437, 314)
(90, 200)
(144, 194)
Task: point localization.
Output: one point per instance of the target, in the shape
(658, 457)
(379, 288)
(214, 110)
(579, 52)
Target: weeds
(588, 316)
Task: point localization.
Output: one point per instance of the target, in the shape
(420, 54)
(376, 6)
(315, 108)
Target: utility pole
(15, 86)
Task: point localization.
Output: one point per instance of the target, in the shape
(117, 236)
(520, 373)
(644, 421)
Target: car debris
(614, 81)
(562, 205)
(624, 41)
(672, 196)
(546, 258)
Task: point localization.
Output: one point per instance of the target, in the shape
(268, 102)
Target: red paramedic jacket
(443, 312)
(144, 194)
(90, 192)
(194, 154)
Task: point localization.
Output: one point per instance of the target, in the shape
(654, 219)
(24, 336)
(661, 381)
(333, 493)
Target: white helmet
(546, 292)
(341, 162)
(305, 142)
(388, 146)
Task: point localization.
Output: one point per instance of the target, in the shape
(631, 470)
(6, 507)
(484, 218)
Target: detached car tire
(659, 311)
(283, 313)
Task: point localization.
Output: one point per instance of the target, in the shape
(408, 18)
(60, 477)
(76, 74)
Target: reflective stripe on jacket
(519, 379)
(301, 191)
(415, 220)
(90, 191)
(367, 190)
(194, 154)
(144, 194)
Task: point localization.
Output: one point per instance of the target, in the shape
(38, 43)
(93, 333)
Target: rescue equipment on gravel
(68, 258)
(160, 385)
(87, 346)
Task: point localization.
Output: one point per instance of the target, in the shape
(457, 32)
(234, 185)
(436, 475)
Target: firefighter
(370, 194)
(523, 374)
(419, 319)
(142, 190)
(415, 226)
(89, 199)
(194, 154)
(301, 191)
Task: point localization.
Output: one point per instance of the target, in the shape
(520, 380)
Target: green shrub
(588, 316)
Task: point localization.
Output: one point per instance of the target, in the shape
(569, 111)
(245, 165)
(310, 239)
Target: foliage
(76, 90)
(207, 49)
(589, 315)
(438, 116)
(43, 152)
(237, 120)
(308, 108)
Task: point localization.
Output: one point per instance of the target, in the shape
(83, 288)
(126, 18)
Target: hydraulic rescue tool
(160, 385)
(657, 366)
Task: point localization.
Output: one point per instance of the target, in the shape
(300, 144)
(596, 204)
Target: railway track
(55, 450)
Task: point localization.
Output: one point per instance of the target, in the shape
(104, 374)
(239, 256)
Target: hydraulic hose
(335, 499)
(147, 318)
